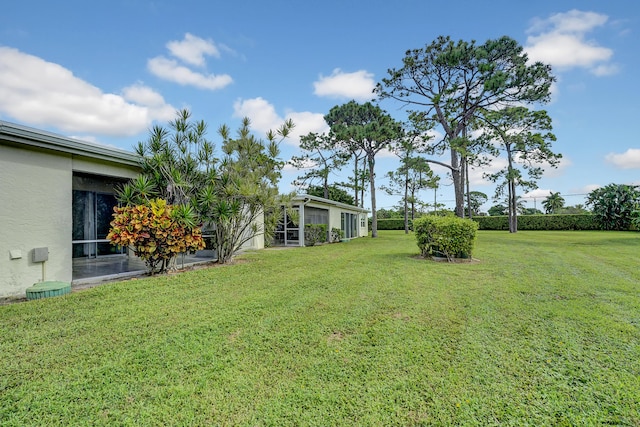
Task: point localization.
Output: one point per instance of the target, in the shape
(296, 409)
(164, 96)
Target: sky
(106, 72)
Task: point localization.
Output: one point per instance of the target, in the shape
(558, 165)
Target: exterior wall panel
(81, 164)
(35, 211)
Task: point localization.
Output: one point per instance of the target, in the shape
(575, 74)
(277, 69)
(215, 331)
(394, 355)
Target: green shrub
(540, 222)
(614, 205)
(336, 235)
(451, 237)
(157, 233)
(391, 224)
(314, 234)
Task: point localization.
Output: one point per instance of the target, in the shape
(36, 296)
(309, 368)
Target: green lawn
(543, 330)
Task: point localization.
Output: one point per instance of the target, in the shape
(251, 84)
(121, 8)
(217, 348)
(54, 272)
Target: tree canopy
(234, 196)
(320, 158)
(413, 175)
(553, 203)
(525, 138)
(334, 192)
(450, 83)
(365, 127)
(477, 199)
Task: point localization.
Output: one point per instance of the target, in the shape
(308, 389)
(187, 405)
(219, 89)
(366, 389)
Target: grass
(543, 330)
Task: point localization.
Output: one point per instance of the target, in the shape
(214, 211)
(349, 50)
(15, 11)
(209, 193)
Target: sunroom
(308, 210)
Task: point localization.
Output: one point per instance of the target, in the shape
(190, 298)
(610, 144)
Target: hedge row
(540, 222)
(525, 222)
(391, 224)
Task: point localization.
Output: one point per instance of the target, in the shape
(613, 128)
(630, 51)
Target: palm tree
(553, 203)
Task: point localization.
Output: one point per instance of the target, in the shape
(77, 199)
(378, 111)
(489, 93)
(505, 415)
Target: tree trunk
(511, 185)
(458, 185)
(355, 177)
(462, 181)
(435, 200)
(513, 208)
(326, 186)
(406, 207)
(372, 183)
(466, 175)
(362, 184)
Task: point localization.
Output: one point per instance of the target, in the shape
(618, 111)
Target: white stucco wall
(363, 228)
(335, 216)
(335, 220)
(35, 211)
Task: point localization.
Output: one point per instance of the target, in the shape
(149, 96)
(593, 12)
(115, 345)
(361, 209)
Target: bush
(614, 205)
(391, 224)
(336, 235)
(314, 234)
(540, 222)
(451, 237)
(156, 233)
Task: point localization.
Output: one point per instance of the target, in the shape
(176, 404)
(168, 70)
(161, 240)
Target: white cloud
(264, 117)
(551, 172)
(43, 93)
(477, 175)
(190, 51)
(560, 40)
(385, 153)
(358, 85)
(538, 193)
(143, 95)
(630, 159)
(574, 21)
(262, 114)
(146, 96)
(193, 49)
(169, 69)
(566, 50)
(605, 70)
(586, 189)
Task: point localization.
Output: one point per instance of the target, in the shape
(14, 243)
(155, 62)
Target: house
(307, 209)
(56, 202)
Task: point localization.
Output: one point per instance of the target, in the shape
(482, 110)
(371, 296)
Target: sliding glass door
(92, 213)
(349, 225)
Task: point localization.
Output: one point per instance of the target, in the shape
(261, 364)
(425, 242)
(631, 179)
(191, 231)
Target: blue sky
(107, 71)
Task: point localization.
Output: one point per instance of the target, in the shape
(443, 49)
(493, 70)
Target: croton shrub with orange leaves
(157, 232)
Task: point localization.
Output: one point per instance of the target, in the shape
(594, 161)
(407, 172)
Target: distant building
(351, 220)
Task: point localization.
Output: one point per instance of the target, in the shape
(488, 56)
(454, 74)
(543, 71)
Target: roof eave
(301, 197)
(36, 138)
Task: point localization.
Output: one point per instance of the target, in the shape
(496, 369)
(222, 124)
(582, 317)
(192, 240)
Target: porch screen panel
(349, 224)
(83, 213)
(104, 215)
(316, 215)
